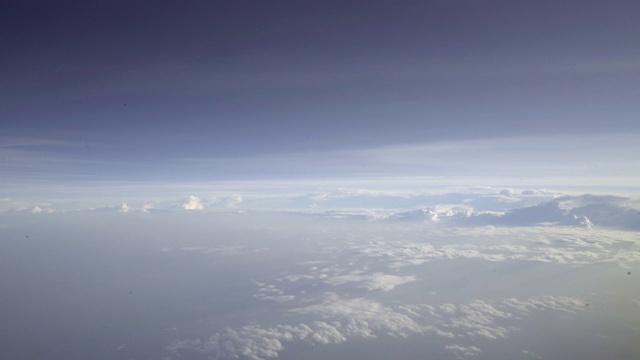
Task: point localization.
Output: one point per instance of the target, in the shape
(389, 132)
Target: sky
(162, 91)
(262, 180)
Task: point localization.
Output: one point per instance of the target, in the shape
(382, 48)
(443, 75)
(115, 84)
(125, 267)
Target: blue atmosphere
(218, 90)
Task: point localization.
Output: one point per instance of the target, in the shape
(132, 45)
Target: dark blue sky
(152, 81)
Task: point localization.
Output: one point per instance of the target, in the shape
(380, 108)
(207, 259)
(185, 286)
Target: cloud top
(342, 318)
(191, 203)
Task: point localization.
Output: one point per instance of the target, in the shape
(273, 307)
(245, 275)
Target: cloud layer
(341, 319)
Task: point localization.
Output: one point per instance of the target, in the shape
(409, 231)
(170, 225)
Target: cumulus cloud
(486, 320)
(476, 319)
(371, 313)
(39, 210)
(399, 254)
(609, 215)
(212, 202)
(335, 275)
(192, 203)
(258, 343)
(564, 245)
(118, 208)
(375, 281)
(339, 319)
(586, 211)
(581, 211)
(336, 318)
(555, 303)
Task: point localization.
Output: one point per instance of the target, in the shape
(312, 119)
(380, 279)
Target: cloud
(376, 281)
(271, 292)
(338, 275)
(477, 320)
(610, 215)
(336, 318)
(486, 320)
(339, 319)
(548, 212)
(234, 200)
(398, 254)
(420, 215)
(557, 244)
(38, 210)
(463, 351)
(118, 208)
(372, 314)
(543, 303)
(192, 203)
(585, 211)
(258, 343)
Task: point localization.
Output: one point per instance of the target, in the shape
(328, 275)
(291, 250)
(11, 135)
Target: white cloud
(257, 343)
(192, 203)
(372, 313)
(557, 244)
(340, 319)
(585, 211)
(420, 214)
(555, 303)
(271, 292)
(448, 308)
(375, 281)
(463, 351)
(117, 208)
(146, 207)
(39, 210)
(477, 319)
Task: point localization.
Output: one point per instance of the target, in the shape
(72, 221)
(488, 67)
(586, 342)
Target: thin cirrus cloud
(558, 156)
(604, 158)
